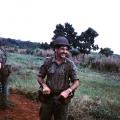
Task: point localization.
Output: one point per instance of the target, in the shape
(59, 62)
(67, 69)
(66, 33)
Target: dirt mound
(24, 109)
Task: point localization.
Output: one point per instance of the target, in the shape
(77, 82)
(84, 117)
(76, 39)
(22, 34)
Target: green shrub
(106, 64)
(103, 112)
(102, 63)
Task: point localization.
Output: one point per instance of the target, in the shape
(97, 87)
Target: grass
(104, 90)
(95, 85)
(25, 69)
(102, 87)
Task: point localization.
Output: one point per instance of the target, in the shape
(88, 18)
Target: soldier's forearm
(74, 85)
(41, 81)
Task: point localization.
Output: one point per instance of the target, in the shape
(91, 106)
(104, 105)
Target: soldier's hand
(46, 90)
(65, 93)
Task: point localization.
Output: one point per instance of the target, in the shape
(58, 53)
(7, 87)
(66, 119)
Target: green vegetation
(99, 62)
(106, 51)
(24, 71)
(104, 86)
(97, 97)
(83, 43)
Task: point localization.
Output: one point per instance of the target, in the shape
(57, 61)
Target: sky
(35, 20)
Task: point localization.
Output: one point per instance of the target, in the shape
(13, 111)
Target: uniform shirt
(58, 76)
(5, 72)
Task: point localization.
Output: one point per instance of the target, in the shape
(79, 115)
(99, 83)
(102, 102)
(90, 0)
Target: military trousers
(53, 110)
(4, 92)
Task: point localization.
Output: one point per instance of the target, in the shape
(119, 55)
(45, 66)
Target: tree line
(19, 44)
(83, 43)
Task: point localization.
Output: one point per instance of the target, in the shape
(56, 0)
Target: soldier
(61, 81)
(4, 74)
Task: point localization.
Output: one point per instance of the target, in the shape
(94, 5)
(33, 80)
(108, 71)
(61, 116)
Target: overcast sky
(35, 20)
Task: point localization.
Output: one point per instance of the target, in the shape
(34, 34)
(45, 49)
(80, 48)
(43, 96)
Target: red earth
(24, 109)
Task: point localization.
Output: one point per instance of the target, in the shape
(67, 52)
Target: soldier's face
(62, 52)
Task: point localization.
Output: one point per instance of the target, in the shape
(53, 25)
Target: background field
(98, 96)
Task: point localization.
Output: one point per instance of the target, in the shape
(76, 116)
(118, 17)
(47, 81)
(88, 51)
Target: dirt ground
(24, 109)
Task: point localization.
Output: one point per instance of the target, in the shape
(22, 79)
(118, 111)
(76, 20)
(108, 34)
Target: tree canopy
(83, 43)
(106, 51)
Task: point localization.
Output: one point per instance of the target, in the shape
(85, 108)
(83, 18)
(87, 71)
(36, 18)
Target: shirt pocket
(61, 72)
(51, 70)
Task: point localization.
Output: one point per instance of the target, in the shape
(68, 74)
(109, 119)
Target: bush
(74, 52)
(43, 53)
(104, 113)
(106, 64)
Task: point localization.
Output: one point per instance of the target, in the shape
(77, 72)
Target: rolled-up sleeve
(43, 70)
(73, 72)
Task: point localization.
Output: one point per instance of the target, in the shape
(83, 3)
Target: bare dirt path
(24, 109)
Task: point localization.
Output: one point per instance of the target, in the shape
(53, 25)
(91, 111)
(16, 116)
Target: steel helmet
(61, 40)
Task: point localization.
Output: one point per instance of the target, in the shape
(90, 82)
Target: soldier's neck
(59, 60)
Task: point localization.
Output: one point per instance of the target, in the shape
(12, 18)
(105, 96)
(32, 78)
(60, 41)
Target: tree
(45, 46)
(67, 31)
(83, 43)
(106, 51)
(86, 41)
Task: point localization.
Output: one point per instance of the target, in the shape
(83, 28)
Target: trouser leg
(4, 93)
(60, 112)
(45, 112)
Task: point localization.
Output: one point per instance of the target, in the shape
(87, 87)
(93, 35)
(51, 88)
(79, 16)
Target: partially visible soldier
(4, 74)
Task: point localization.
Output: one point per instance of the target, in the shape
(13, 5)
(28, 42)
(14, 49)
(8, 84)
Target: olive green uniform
(58, 78)
(4, 74)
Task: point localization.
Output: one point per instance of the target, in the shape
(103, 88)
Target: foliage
(24, 71)
(68, 31)
(106, 51)
(108, 64)
(84, 43)
(98, 94)
(104, 112)
(74, 52)
(18, 43)
(24, 47)
(105, 66)
(45, 46)
(99, 62)
(43, 53)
